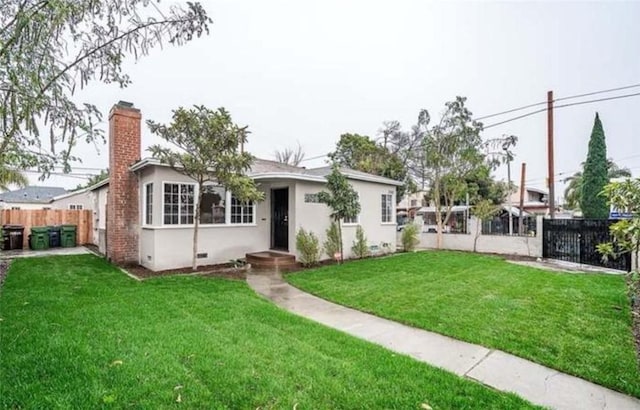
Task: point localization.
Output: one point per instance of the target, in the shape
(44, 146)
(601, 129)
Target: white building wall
(500, 244)
(84, 198)
(315, 216)
(24, 205)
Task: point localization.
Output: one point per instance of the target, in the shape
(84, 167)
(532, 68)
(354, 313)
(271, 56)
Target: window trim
(253, 213)
(392, 221)
(145, 204)
(227, 211)
(194, 202)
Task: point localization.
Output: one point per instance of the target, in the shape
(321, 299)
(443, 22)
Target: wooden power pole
(522, 179)
(552, 193)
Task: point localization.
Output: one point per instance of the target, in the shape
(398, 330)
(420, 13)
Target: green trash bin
(39, 238)
(68, 236)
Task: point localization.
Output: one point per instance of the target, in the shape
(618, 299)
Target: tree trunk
(438, 216)
(196, 224)
(475, 240)
(339, 222)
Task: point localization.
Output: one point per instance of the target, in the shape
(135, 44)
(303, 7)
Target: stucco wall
(84, 198)
(315, 216)
(501, 244)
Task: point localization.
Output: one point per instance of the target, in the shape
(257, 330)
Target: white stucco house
(146, 209)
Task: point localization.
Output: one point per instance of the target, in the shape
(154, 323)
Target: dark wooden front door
(280, 219)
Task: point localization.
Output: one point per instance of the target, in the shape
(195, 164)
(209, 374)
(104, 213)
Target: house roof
(267, 169)
(70, 194)
(32, 194)
(432, 209)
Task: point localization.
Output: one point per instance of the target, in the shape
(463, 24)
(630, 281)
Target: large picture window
(178, 204)
(241, 212)
(387, 208)
(213, 205)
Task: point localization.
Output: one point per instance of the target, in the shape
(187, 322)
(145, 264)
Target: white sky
(310, 71)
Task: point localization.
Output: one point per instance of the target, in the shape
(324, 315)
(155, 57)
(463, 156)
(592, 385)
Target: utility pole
(552, 193)
(522, 179)
(510, 196)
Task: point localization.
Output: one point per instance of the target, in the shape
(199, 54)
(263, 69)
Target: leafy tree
(12, 177)
(208, 151)
(361, 153)
(573, 190)
(290, 156)
(483, 210)
(452, 150)
(595, 175)
(342, 199)
(49, 49)
(625, 197)
(94, 179)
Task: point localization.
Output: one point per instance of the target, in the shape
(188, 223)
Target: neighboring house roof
(32, 194)
(515, 211)
(70, 194)
(266, 169)
(99, 185)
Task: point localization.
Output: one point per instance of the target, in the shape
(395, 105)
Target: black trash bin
(54, 236)
(12, 237)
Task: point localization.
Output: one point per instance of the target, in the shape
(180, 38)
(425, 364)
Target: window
(414, 202)
(76, 207)
(241, 212)
(213, 205)
(387, 208)
(148, 204)
(15, 208)
(178, 204)
(311, 198)
(352, 221)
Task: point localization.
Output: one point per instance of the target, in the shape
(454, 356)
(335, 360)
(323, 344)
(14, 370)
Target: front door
(280, 219)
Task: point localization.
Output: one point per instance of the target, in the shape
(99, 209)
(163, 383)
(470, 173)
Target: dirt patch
(4, 267)
(224, 270)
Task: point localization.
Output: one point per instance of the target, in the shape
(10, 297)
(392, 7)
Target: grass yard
(576, 323)
(77, 333)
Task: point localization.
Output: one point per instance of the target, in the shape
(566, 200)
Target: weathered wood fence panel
(47, 217)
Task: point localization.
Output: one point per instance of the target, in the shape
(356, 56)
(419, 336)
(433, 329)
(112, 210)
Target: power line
(626, 87)
(561, 106)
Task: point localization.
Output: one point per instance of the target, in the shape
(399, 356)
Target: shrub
(308, 246)
(332, 244)
(410, 237)
(360, 248)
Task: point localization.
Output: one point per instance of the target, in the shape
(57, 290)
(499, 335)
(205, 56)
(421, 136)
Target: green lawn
(576, 323)
(77, 333)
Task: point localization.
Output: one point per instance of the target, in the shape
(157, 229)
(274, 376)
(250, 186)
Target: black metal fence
(500, 226)
(575, 240)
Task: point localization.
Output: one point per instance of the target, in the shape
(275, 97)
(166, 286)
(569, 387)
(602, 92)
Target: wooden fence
(47, 217)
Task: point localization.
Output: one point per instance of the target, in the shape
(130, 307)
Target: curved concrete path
(502, 371)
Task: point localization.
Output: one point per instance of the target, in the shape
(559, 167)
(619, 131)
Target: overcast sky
(310, 71)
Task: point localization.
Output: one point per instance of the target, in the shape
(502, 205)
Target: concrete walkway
(502, 371)
(28, 253)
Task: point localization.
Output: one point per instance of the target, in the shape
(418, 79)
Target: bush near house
(410, 237)
(308, 246)
(360, 248)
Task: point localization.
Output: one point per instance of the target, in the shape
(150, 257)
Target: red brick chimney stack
(122, 199)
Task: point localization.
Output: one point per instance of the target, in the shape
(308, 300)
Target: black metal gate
(575, 240)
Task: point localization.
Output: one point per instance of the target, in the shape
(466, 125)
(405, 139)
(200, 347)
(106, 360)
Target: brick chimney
(122, 199)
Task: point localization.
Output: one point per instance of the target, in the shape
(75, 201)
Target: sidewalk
(502, 371)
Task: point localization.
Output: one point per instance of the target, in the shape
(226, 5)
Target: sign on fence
(48, 217)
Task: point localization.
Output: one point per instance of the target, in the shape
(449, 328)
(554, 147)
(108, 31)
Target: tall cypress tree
(595, 175)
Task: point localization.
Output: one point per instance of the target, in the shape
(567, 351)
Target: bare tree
(290, 156)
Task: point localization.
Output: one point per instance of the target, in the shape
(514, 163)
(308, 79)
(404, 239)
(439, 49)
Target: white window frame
(76, 207)
(391, 220)
(145, 204)
(253, 213)
(227, 212)
(195, 193)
